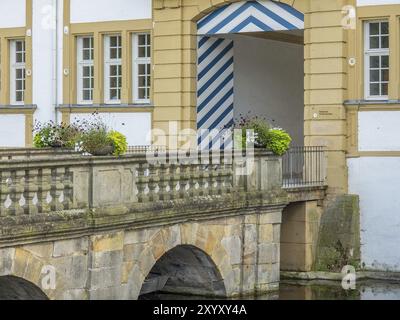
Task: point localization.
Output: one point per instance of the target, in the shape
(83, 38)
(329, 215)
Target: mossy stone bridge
(80, 227)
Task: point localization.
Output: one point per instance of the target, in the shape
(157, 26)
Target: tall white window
(141, 67)
(376, 60)
(17, 71)
(112, 69)
(85, 58)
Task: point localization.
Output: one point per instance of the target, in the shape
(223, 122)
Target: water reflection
(314, 290)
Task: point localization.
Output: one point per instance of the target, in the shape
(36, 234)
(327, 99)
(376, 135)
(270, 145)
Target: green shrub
(274, 139)
(278, 141)
(95, 139)
(52, 135)
(119, 141)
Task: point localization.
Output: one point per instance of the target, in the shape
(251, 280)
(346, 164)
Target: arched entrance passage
(185, 270)
(14, 288)
(250, 60)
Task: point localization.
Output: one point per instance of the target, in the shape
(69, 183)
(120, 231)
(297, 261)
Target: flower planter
(104, 151)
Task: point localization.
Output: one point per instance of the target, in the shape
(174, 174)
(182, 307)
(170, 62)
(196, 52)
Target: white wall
(135, 126)
(12, 130)
(377, 181)
(379, 131)
(12, 13)
(44, 62)
(269, 81)
(109, 10)
(376, 2)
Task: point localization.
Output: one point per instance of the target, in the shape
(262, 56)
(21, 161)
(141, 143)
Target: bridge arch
(216, 246)
(185, 270)
(16, 288)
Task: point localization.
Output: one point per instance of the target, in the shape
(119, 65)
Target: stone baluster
(32, 191)
(68, 188)
(194, 180)
(203, 181)
(164, 183)
(173, 180)
(142, 182)
(183, 180)
(21, 188)
(44, 193)
(220, 179)
(6, 194)
(154, 181)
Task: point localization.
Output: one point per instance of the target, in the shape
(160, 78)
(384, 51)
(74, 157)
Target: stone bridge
(76, 227)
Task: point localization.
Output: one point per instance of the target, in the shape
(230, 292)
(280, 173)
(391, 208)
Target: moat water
(314, 290)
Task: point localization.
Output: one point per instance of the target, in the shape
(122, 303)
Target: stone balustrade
(72, 190)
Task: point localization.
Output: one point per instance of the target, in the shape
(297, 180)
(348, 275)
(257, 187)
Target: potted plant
(98, 140)
(276, 140)
(52, 135)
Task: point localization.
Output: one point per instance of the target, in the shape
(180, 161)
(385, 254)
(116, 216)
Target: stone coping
(336, 276)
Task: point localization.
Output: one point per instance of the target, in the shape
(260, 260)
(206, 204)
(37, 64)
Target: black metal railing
(304, 167)
(144, 149)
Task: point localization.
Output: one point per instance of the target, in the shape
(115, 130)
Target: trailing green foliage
(258, 131)
(278, 141)
(91, 136)
(52, 135)
(119, 142)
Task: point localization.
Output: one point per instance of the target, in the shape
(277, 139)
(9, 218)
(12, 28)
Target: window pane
(374, 42)
(384, 75)
(374, 76)
(142, 52)
(19, 96)
(142, 39)
(374, 89)
(374, 62)
(113, 94)
(113, 70)
(87, 95)
(385, 42)
(384, 89)
(142, 93)
(142, 68)
(384, 28)
(19, 73)
(148, 68)
(113, 53)
(113, 82)
(113, 41)
(19, 85)
(385, 61)
(86, 71)
(20, 57)
(87, 55)
(86, 83)
(374, 28)
(142, 81)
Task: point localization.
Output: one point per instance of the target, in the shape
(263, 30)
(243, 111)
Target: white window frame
(136, 61)
(369, 53)
(81, 63)
(14, 65)
(107, 63)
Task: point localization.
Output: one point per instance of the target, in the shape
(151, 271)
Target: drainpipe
(55, 61)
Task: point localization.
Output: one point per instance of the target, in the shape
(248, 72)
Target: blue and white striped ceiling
(251, 16)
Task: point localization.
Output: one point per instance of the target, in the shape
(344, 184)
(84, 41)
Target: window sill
(370, 102)
(106, 107)
(20, 108)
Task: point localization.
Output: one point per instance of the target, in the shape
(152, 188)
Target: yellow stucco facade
(326, 72)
